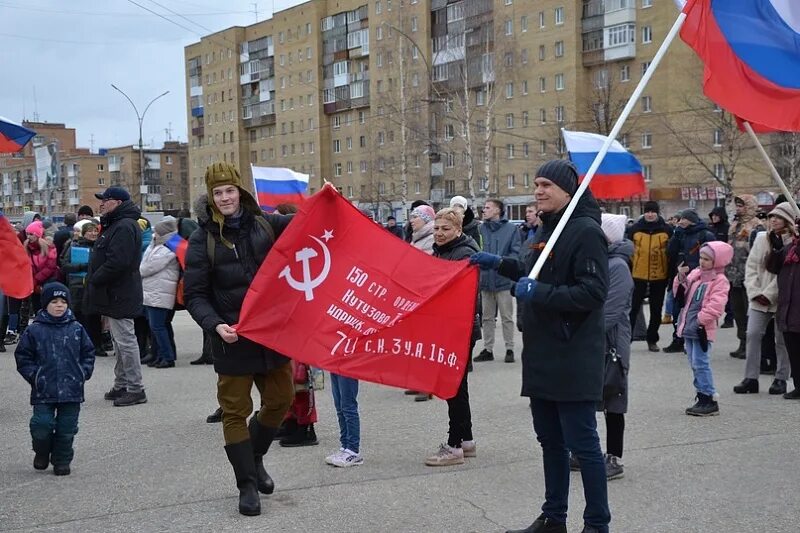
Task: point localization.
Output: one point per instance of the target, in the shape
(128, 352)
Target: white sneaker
(469, 448)
(332, 457)
(348, 458)
(446, 456)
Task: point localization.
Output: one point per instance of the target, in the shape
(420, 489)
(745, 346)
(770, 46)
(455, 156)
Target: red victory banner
(339, 292)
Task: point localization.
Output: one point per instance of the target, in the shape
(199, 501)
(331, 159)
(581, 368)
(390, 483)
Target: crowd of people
(114, 283)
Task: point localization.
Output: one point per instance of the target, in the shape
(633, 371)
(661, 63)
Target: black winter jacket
(563, 333)
(684, 246)
(720, 230)
(56, 356)
(214, 293)
(460, 248)
(113, 283)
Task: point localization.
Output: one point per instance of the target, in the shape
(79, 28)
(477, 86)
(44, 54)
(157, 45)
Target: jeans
(756, 326)
(494, 303)
(128, 368)
(700, 362)
(571, 426)
(345, 399)
(54, 425)
(157, 319)
(656, 290)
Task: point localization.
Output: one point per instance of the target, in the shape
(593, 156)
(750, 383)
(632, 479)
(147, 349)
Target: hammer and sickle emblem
(308, 284)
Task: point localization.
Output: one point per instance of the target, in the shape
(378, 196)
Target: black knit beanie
(651, 206)
(561, 172)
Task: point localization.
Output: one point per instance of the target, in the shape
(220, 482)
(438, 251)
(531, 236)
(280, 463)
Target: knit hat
(54, 290)
(218, 175)
(690, 215)
(785, 211)
(613, 226)
(561, 172)
(651, 206)
(167, 225)
(460, 201)
(417, 203)
(425, 212)
(85, 210)
(35, 228)
(78, 226)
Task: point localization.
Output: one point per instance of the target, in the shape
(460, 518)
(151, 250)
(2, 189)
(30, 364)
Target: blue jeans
(700, 362)
(561, 427)
(55, 425)
(157, 318)
(345, 399)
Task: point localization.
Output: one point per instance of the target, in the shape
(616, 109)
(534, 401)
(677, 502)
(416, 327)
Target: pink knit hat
(425, 212)
(35, 228)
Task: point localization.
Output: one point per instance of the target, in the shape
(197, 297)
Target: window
(101, 167)
(647, 104)
(647, 140)
(508, 59)
(511, 180)
(417, 187)
(523, 56)
(541, 19)
(413, 24)
(509, 27)
(362, 117)
(624, 141)
(308, 28)
(560, 114)
(541, 52)
(645, 66)
(509, 2)
(526, 150)
(719, 171)
(483, 185)
(337, 169)
(510, 121)
(337, 146)
(559, 15)
(362, 166)
(542, 84)
(647, 172)
(524, 86)
(559, 49)
(337, 122)
(524, 119)
(647, 3)
(620, 34)
(647, 34)
(350, 171)
(349, 143)
(449, 132)
(625, 73)
(450, 161)
(510, 89)
(378, 7)
(379, 33)
(311, 147)
(559, 82)
(718, 137)
(510, 151)
(543, 147)
(381, 138)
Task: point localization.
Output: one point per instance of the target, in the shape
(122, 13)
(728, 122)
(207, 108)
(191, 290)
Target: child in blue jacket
(56, 356)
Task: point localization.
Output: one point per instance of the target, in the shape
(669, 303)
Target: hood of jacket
(161, 239)
(723, 253)
(623, 249)
(469, 217)
(587, 207)
(750, 207)
(649, 227)
(27, 218)
(46, 318)
(696, 228)
(126, 209)
(721, 213)
(495, 225)
(461, 240)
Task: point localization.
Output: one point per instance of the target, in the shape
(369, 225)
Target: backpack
(211, 245)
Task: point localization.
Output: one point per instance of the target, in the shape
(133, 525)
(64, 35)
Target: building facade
(398, 100)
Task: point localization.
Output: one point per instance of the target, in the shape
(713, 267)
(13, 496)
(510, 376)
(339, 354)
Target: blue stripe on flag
(280, 187)
(613, 163)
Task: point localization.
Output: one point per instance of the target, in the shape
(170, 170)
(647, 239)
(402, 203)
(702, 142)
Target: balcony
(27, 190)
(263, 120)
(593, 57)
(620, 52)
(197, 111)
(73, 185)
(198, 131)
(74, 201)
(38, 202)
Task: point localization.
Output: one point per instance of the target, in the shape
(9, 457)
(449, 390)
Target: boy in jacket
(56, 356)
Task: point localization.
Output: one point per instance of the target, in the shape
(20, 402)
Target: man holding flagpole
(563, 344)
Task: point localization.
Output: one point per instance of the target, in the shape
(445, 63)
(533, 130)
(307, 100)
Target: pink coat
(716, 294)
(43, 259)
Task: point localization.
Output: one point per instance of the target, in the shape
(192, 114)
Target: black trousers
(460, 415)
(792, 340)
(615, 433)
(738, 297)
(656, 291)
(93, 326)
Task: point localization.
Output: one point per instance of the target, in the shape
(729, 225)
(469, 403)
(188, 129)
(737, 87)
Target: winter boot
(262, 438)
(304, 435)
(215, 417)
(542, 525)
(485, 355)
(204, 359)
(778, 387)
(675, 347)
(288, 427)
(240, 456)
(509, 356)
(747, 386)
(741, 351)
(42, 449)
(705, 406)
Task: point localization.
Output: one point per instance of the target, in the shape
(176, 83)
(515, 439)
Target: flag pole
(777, 177)
(551, 242)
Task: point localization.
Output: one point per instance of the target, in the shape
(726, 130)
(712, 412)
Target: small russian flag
(275, 186)
(13, 137)
(178, 245)
(620, 174)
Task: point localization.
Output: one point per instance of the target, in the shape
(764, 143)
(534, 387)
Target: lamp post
(140, 118)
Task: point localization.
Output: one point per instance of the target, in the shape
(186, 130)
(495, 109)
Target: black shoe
(485, 355)
(61, 470)
(153, 362)
(423, 397)
(614, 468)
(589, 529)
(705, 406)
(304, 435)
(113, 394)
(261, 438)
(778, 387)
(727, 324)
(542, 525)
(287, 428)
(794, 395)
(747, 386)
(675, 347)
(164, 364)
(509, 356)
(130, 398)
(240, 456)
(740, 352)
(41, 449)
(202, 360)
(653, 347)
(215, 417)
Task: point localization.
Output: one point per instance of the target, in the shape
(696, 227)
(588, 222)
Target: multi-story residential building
(393, 101)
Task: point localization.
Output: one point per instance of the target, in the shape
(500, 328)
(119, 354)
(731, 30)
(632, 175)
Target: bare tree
(784, 149)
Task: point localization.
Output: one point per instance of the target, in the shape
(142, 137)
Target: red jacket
(43, 259)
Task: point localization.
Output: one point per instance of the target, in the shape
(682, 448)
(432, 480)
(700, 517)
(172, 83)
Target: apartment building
(397, 100)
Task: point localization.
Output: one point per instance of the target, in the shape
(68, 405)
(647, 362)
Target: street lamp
(140, 118)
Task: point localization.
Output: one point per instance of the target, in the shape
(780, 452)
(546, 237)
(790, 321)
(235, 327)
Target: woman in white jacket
(160, 274)
(762, 294)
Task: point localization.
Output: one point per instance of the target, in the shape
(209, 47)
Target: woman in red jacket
(43, 259)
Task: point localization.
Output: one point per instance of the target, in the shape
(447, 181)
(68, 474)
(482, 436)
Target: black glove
(703, 338)
(775, 241)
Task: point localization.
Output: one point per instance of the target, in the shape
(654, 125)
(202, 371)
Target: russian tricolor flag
(275, 186)
(13, 137)
(178, 245)
(620, 174)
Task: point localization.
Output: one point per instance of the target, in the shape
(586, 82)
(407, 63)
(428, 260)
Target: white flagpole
(777, 177)
(634, 99)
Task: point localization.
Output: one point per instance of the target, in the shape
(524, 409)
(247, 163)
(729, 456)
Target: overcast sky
(68, 53)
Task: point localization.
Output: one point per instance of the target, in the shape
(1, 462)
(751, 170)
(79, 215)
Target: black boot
(304, 435)
(215, 417)
(204, 359)
(240, 456)
(675, 347)
(705, 406)
(42, 448)
(747, 386)
(262, 438)
(542, 525)
(778, 387)
(150, 359)
(741, 351)
(288, 427)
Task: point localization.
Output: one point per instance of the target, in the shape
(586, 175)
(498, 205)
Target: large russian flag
(620, 173)
(13, 137)
(275, 186)
(751, 52)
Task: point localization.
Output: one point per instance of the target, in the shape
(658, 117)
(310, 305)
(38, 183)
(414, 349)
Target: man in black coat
(224, 255)
(114, 289)
(64, 234)
(563, 344)
(393, 228)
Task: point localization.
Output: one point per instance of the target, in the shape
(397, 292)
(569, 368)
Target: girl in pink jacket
(706, 291)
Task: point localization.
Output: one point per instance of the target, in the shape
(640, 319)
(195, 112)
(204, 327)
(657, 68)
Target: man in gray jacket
(500, 238)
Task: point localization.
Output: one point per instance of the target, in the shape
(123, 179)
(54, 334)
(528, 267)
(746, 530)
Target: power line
(111, 13)
(163, 17)
(92, 43)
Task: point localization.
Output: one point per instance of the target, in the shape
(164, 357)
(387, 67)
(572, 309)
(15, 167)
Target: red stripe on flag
(16, 275)
(617, 186)
(268, 201)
